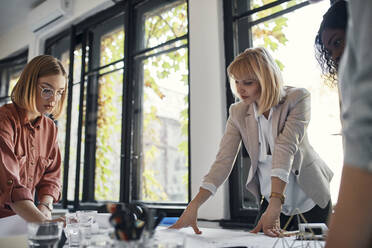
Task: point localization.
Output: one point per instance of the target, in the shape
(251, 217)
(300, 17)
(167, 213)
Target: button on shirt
(295, 196)
(29, 158)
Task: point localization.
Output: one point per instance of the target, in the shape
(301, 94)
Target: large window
(287, 29)
(162, 144)
(10, 70)
(124, 135)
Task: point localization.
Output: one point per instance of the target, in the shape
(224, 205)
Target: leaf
(280, 64)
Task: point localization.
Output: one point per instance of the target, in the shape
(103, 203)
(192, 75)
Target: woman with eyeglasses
(30, 160)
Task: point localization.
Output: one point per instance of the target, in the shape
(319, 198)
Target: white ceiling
(14, 12)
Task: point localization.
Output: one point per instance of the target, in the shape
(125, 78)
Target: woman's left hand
(269, 222)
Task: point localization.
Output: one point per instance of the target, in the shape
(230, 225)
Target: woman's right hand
(188, 218)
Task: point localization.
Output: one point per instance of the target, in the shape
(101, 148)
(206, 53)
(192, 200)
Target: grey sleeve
(356, 86)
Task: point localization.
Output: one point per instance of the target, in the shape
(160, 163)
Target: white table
(217, 237)
(211, 237)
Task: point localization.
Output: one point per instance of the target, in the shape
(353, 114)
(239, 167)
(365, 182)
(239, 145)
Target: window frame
(79, 34)
(235, 42)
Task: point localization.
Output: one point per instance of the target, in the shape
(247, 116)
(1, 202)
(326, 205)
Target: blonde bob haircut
(258, 65)
(24, 92)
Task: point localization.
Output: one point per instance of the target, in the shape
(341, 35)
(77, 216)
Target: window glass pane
(295, 55)
(106, 43)
(164, 136)
(112, 48)
(108, 144)
(109, 115)
(61, 123)
(74, 142)
(12, 82)
(4, 92)
(164, 24)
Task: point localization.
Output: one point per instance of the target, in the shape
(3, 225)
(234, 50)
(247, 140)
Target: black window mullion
(90, 127)
(7, 79)
(277, 14)
(2, 81)
(240, 216)
(170, 42)
(256, 10)
(96, 70)
(137, 152)
(80, 123)
(169, 50)
(68, 120)
(128, 87)
(229, 47)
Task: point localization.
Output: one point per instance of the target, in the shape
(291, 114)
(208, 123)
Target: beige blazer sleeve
(225, 157)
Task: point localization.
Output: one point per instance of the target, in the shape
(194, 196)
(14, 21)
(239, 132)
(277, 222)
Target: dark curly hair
(335, 18)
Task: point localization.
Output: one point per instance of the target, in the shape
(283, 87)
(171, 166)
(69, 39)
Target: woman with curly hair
(330, 40)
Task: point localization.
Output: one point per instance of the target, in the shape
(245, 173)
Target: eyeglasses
(47, 93)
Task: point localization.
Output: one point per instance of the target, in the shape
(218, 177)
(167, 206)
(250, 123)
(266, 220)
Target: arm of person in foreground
(190, 215)
(351, 224)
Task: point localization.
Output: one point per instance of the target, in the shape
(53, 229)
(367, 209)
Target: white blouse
(295, 197)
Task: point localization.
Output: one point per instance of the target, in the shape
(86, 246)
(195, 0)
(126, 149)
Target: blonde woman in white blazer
(270, 120)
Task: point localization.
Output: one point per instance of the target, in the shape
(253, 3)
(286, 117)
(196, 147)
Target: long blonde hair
(258, 64)
(24, 92)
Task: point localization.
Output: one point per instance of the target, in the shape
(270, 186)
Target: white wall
(21, 36)
(207, 79)
(207, 97)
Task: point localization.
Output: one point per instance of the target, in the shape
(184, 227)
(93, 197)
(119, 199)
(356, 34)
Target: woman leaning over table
(271, 121)
(30, 160)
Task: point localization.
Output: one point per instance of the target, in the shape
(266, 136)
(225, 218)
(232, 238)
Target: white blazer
(292, 150)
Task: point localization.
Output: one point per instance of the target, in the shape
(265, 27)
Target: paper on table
(12, 225)
(215, 237)
(212, 237)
